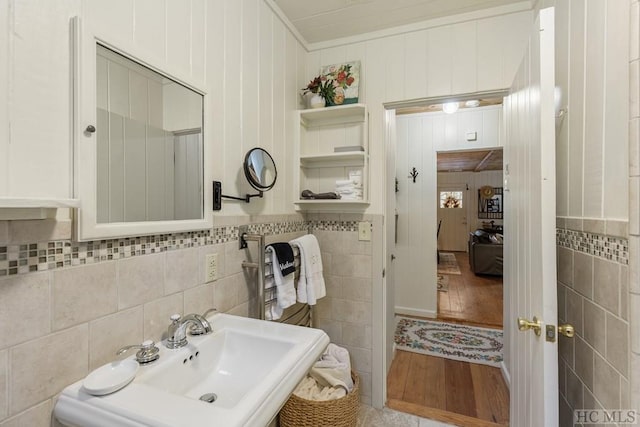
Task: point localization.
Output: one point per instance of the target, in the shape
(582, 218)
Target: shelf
(17, 208)
(333, 159)
(352, 113)
(334, 206)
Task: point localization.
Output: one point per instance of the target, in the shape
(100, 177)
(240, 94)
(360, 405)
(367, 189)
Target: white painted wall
(592, 74)
(250, 64)
(415, 264)
(475, 55)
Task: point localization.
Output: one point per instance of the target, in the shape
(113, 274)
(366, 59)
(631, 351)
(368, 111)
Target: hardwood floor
(471, 299)
(461, 393)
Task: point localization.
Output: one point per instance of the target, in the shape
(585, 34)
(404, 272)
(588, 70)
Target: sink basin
(240, 375)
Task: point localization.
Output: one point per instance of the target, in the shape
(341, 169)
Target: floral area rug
(448, 264)
(449, 340)
(443, 283)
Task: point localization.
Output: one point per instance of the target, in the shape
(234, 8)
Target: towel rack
(300, 314)
(245, 237)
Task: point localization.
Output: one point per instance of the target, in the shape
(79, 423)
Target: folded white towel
(311, 285)
(344, 182)
(285, 290)
(334, 368)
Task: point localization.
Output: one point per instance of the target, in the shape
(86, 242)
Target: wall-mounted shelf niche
(322, 136)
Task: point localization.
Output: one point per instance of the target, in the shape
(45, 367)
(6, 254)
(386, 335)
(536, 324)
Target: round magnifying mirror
(260, 169)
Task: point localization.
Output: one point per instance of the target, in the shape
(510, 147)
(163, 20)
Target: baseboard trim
(505, 374)
(416, 312)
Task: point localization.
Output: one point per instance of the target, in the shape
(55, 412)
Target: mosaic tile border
(334, 225)
(44, 256)
(601, 246)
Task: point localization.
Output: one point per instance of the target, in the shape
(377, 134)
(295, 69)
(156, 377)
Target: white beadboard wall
(592, 76)
(242, 54)
(475, 55)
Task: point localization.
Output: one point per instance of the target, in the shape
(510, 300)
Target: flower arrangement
(336, 84)
(322, 86)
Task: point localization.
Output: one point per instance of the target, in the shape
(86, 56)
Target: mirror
(149, 144)
(141, 157)
(260, 169)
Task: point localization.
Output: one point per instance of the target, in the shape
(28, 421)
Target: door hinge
(384, 271)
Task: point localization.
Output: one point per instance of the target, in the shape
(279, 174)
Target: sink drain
(209, 397)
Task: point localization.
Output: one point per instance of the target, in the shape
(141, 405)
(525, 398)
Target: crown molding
(423, 25)
(522, 6)
(287, 23)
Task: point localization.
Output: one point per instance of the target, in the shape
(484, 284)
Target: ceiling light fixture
(450, 107)
(472, 103)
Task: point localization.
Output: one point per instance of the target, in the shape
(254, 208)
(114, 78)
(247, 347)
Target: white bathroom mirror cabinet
(140, 150)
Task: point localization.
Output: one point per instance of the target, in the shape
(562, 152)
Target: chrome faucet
(197, 329)
(147, 352)
(177, 332)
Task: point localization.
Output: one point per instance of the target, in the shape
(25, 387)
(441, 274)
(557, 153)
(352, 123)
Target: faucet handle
(175, 318)
(196, 329)
(147, 353)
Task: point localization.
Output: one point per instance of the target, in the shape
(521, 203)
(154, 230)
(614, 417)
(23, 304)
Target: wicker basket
(343, 412)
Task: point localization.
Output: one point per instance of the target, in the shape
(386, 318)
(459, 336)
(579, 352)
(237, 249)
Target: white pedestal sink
(251, 366)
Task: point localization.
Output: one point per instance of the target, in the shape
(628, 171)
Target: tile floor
(372, 417)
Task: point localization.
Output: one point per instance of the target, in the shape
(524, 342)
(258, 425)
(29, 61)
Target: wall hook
(413, 174)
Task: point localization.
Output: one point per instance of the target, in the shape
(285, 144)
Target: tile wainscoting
(593, 291)
(94, 297)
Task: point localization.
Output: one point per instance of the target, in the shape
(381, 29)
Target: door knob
(567, 330)
(525, 325)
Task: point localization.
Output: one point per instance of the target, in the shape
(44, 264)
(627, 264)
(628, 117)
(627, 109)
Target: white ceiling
(322, 20)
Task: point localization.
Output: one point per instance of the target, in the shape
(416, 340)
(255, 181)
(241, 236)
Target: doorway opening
(470, 236)
(437, 205)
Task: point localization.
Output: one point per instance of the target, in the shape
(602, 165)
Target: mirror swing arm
(261, 173)
(247, 198)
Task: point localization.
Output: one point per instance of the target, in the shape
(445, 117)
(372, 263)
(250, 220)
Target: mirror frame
(85, 37)
(247, 174)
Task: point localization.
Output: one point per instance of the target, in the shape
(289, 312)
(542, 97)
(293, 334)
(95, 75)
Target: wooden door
(530, 252)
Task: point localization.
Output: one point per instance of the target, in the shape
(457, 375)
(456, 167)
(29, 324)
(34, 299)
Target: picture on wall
(490, 205)
(345, 79)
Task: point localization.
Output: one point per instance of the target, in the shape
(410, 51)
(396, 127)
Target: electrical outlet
(364, 231)
(211, 266)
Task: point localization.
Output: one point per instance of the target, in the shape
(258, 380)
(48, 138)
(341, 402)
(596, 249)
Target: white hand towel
(311, 285)
(334, 368)
(285, 290)
(272, 311)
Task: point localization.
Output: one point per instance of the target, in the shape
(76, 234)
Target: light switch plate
(211, 267)
(364, 231)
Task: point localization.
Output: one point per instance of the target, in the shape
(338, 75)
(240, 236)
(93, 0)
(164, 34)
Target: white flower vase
(306, 99)
(317, 101)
